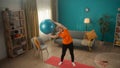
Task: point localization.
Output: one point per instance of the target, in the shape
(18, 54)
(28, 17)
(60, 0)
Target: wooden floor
(28, 60)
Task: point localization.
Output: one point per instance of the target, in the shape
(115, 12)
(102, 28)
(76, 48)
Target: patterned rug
(108, 60)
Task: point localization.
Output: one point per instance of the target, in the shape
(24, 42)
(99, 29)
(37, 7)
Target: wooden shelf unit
(117, 31)
(15, 32)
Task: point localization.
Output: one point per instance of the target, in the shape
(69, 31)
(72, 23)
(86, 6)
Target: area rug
(66, 63)
(108, 60)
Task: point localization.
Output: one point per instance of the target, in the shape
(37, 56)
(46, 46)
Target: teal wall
(71, 13)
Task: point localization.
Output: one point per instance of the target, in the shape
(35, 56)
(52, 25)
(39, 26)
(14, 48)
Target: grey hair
(58, 27)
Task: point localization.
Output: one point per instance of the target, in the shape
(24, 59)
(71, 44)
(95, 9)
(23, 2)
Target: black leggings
(64, 49)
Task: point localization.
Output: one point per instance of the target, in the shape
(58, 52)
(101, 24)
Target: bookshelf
(117, 31)
(15, 32)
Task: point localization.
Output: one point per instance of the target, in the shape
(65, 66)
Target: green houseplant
(104, 23)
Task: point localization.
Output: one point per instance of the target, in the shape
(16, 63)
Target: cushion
(85, 42)
(91, 35)
(76, 42)
(77, 34)
(37, 43)
(40, 40)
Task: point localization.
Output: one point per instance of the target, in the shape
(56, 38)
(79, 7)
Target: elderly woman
(67, 42)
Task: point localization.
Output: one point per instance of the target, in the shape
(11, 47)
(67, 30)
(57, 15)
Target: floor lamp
(86, 21)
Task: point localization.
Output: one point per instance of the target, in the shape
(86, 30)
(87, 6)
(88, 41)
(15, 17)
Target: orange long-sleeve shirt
(65, 35)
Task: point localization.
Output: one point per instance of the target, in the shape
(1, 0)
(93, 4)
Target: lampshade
(87, 20)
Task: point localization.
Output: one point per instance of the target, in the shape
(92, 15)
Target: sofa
(78, 40)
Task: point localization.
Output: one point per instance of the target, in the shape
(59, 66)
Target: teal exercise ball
(47, 26)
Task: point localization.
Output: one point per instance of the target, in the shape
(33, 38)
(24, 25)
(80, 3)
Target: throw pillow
(91, 35)
(85, 42)
(37, 43)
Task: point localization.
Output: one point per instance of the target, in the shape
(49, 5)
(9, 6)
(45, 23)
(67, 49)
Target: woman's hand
(49, 34)
(52, 36)
(59, 24)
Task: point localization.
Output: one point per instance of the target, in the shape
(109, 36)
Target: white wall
(12, 5)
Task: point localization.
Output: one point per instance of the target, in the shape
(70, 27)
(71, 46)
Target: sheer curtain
(46, 10)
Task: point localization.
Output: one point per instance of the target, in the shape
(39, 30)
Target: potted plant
(104, 23)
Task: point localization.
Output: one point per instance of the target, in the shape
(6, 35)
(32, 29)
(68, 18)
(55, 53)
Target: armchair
(39, 45)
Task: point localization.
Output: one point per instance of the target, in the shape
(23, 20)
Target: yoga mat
(66, 63)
